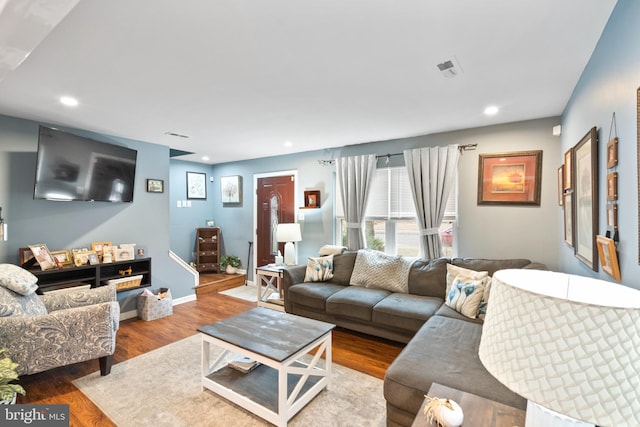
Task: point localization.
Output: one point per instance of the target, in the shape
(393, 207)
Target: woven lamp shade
(568, 343)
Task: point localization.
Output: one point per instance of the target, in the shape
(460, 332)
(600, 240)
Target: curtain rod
(461, 148)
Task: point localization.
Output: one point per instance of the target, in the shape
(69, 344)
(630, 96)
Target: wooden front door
(275, 204)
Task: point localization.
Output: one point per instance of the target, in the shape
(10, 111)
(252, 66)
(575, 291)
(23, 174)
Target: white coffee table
(283, 383)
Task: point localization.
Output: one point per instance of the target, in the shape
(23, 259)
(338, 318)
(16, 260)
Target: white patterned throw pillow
(17, 279)
(375, 269)
(465, 297)
(319, 269)
(463, 274)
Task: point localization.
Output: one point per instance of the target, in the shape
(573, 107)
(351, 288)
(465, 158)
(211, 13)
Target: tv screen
(71, 167)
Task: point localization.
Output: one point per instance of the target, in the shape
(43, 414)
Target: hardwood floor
(135, 337)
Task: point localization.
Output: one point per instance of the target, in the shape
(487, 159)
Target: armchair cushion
(17, 279)
(14, 304)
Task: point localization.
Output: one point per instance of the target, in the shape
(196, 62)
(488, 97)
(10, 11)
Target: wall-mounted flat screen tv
(72, 167)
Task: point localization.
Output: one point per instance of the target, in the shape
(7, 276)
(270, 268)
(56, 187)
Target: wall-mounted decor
(196, 185)
(568, 169)
(586, 199)
(612, 217)
(568, 218)
(608, 257)
(560, 184)
(312, 199)
(612, 186)
(510, 178)
(155, 186)
(612, 153)
(231, 189)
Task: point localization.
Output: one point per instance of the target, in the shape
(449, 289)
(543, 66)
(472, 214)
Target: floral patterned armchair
(42, 332)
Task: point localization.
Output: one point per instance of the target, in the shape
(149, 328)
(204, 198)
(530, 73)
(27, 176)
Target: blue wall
(608, 85)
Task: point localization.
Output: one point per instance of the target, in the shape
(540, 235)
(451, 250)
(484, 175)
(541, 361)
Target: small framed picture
(43, 256)
(612, 217)
(24, 255)
(608, 256)
(230, 189)
(568, 218)
(196, 185)
(312, 199)
(155, 186)
(568, 169)
(560, 184)
(141, 252)
(97, 247)
(63, 257)
(612, 186)
(125, 254)
(81, 258)
(93, 258)
(108, 253)
(612, 153)
(210, 223)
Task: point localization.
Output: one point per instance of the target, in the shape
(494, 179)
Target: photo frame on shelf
(43, 256)
(108, 253)
(231, 189)
(63, 257)
(93, 258)
(97, 247)
(196, 185)
(510, 178)
(608, 257)
(568, 170)
(25, 255)
(612, 153)
(155, 186)
(568, 218)
(312, 199)
(81, 258)
(586, 199)
(560, 184)
(612, 186)
(125, 253)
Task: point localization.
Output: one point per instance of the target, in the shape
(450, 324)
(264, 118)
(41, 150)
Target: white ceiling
(241, 77)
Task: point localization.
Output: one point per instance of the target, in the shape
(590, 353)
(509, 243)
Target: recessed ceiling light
(288, 143)
(69, 101)
(205, 158)
(491, 110)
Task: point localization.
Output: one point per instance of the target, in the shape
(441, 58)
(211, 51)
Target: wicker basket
(129, 282)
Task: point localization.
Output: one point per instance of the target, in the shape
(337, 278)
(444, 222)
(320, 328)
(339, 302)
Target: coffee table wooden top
(267, 332)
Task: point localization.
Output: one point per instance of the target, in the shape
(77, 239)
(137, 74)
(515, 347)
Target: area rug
(162, 388)
(245, 292)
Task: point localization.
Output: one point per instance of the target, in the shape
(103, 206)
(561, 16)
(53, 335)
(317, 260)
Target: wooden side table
(478, 411)
(269, 282)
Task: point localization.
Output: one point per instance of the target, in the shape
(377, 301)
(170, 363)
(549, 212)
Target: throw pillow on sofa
(464, 275)
(465, 296)
(17, 279)
(482, 308)
(319, 269)
(378, 270)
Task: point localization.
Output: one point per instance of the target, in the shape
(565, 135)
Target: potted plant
(8, 374)
(230, 263)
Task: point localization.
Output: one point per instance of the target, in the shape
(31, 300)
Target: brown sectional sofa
(442, 344)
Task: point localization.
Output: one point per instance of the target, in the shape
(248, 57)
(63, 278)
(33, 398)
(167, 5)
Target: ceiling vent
(450, 68)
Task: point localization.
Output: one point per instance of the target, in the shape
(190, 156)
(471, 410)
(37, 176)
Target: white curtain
(432, 172)
(354, 178)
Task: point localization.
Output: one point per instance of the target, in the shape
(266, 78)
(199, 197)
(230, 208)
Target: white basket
(128, 282)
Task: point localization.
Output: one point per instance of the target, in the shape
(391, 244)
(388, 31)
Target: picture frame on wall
(560, 185)
(155, 186)
(612, 153)
(568, 170)
(196, 185)
(230, 189)
(612, 217)
(612, 186)
(568, 218)
(586, 199)
(510, 178)
(608, 257)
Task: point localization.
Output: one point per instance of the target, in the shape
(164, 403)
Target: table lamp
(289, 233)
(568, 344)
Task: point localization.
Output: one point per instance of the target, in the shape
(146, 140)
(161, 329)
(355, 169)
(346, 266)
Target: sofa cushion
(405, 311)
(313, 295)
(465, 296)
(447, 311)
(319, 269)
(343, 267)
(491, 265)
(14, 304)
(355, 302)
(444, 350)
(377, 270)
(428, 277)
(17, 279)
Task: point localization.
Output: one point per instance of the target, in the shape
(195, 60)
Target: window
(390, 224)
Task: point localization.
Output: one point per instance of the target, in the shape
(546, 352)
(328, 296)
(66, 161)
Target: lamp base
(289, 254)
(539, 416)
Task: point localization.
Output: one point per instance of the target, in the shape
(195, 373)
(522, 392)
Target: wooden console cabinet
(94, 275)
(208, 249)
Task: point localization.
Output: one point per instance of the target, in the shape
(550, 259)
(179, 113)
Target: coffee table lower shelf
(274, 391)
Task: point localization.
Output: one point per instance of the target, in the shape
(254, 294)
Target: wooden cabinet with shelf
(94, 275)
(208, 249)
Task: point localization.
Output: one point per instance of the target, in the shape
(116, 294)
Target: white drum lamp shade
(289, 233)
(566, 343)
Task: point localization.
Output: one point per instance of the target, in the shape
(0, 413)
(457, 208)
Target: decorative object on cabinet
(612, 186)
(311, 199)
(510, 178)
(586, 199)
(568, 218)
(560, 184)
(43, 256)
(231, 190)
(196, 185)
(608, 256)
(155, 186)
(207, 251)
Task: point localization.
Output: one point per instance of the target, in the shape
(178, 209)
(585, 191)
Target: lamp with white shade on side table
(289, 233)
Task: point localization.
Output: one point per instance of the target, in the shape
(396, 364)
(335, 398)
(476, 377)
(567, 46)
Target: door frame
(296, 201)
